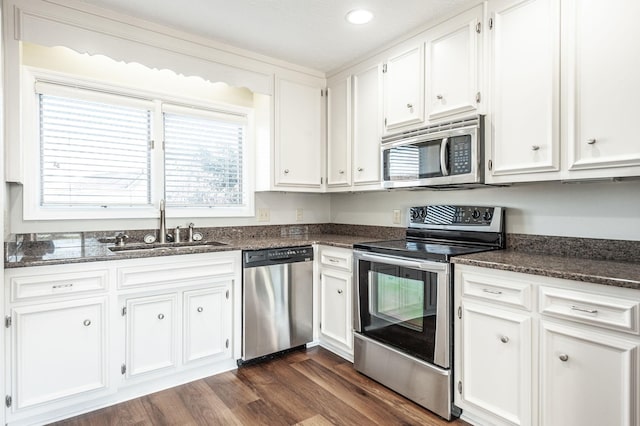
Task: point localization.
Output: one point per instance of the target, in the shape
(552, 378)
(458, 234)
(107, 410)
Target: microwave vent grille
(420, 132)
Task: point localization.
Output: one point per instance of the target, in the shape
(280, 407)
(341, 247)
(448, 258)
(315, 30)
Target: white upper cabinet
(367, 125)
(404, 89)
(339, 133)
(523, 135)
(453, 51)
(298, 135)
(603, 88)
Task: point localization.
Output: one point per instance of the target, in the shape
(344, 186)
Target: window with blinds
(204, 164)
(93, 153)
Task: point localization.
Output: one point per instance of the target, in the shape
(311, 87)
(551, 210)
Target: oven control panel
(451, 215)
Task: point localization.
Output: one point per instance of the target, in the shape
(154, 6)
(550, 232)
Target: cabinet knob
(286, 171)
(160, 316)
(535, 147)
(563, 357)
(439, 97)
(86, 323)
(504, 339)
(409, 106)
(199, 309)
(360, 169)
(591, 141)
(341, 172)
(339, 291)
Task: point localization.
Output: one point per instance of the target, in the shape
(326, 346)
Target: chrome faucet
(162, 237)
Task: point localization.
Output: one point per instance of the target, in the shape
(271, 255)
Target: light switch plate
(299, 214)
(263, 215)
(397, 217)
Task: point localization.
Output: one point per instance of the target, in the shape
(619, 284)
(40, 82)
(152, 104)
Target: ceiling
(312, 33)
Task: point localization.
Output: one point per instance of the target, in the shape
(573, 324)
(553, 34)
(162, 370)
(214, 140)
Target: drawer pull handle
(591, 141)
(69, 285)
(86, 323)
(588, 311)
(535, 147)
(486, 290)
(563, 357)
(334, 260)
(160, 316)
(504, 339)
(200, 309)
(339, 291)
(360, 169)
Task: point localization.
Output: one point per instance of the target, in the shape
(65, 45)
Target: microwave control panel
(460, 155)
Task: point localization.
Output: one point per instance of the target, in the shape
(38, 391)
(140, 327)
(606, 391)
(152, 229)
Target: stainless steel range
(403, 317)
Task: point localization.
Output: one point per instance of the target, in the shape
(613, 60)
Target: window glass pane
(203, 161)
(93, 154)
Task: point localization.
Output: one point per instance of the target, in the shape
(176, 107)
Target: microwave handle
(444, 167)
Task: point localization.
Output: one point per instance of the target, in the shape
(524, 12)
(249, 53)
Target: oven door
(404, 303)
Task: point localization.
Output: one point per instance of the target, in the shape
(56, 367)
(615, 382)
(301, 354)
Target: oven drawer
(335, 258)
(510, 291)
(595, 309)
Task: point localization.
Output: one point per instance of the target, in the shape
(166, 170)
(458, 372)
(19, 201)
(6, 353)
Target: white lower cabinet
(497, 362)
(336, 282)
(84, 336)
(588, 377)
(151, 334)
(570, 355)
(60, 351)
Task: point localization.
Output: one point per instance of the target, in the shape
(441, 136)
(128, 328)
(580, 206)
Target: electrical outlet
(397, 217)
(263, 215)
(299, 214)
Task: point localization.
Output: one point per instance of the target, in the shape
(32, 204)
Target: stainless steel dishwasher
(277, 308)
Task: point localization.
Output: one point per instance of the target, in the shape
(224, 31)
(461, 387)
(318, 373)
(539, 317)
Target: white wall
(591, 209)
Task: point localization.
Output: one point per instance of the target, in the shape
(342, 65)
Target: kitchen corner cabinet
(523, 136)
(404, 89)
(453, 54)
(339, 133)
(602, 88)
(335, 283)
(298, 135)
(533, 350)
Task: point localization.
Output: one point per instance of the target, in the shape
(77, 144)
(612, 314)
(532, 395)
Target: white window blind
(93, 153)
(204, 160)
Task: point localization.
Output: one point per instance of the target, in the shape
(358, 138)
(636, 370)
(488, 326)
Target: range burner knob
(487, 215)
(475, 214)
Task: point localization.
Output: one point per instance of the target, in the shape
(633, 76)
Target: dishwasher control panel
(253, 258)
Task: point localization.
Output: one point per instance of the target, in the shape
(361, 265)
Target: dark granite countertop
(607, 272)
(78, 247)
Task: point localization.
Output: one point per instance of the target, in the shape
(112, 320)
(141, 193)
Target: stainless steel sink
(168, 247)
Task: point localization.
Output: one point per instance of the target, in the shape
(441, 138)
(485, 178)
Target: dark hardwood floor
(311, 388)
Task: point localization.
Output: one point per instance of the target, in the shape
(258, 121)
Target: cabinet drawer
(506, 291)
(601, 310)
(336, 259)
(175, 269)
(57, 284)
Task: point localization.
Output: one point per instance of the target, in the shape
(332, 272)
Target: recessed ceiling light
(359, 16)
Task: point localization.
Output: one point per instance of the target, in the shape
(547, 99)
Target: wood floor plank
(309, 388)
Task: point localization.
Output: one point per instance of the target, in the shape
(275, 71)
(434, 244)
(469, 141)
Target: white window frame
(74, 86)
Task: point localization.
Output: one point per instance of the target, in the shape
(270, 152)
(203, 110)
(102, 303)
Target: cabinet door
(298, 134)
(207, 325)
(60, 351)
(403, 89)
(525, 89)
(603, 85)
(496, 366)
(339, 133)
(367, 123)
(335, 307)
(587, 377)
(453, 73)
(150, 334)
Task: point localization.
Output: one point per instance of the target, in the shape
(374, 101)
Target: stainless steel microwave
(440, 155)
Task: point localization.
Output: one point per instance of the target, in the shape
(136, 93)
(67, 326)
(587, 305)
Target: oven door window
(399, 307)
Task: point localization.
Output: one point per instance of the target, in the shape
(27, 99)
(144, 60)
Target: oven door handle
(398, 261)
